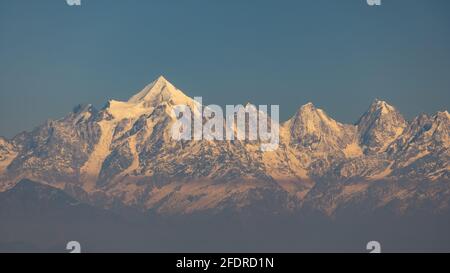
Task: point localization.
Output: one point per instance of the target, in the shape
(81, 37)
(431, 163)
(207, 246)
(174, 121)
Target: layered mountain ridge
(124, 153)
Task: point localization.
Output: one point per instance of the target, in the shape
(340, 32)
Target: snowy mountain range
(123, 154)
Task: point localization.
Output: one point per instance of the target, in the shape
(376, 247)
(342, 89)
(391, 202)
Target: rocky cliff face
(124, 153)
(379, 127)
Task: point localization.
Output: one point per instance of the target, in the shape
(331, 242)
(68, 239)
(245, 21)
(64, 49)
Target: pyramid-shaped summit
(380, 125)
(160, 90)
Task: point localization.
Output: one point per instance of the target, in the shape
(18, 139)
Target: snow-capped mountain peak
(380, 126)
(311, 127)
(312, 120)
(382, 107)
(160, 90)
(444, 115)
(308, 105)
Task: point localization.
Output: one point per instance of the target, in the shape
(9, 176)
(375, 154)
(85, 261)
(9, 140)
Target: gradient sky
(340, 55)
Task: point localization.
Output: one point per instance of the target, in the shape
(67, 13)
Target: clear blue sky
(338, 54)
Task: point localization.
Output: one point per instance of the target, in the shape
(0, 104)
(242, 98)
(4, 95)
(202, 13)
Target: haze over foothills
(340, 56)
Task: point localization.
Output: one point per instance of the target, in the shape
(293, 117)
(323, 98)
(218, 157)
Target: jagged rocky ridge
(123, 154)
